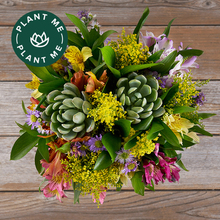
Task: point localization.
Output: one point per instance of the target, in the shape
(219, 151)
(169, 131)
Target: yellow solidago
(179, 126)
(106, 108)
(77, 57)
(80, 170)
(129, 52)
(143, 146)
(187, 89)
(34, 84)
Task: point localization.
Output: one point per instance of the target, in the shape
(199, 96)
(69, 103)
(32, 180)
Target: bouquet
(112, 111)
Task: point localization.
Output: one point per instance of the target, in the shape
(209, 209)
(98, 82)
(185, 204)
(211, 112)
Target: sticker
(39, 38)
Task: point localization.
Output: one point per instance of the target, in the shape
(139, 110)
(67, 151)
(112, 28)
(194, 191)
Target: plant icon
(39, 40)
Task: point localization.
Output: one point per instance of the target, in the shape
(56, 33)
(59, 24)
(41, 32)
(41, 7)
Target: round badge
(39, 38)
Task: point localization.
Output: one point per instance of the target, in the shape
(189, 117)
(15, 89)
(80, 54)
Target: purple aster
(165, 82)
(95, 143)
(83, 14)
(33, 118)
(130, 167)
(79, 149)
(124, 156)
(200, 99)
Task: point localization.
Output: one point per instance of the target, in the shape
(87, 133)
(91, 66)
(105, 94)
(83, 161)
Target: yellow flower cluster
(129, 52)
(187, 89)
(80, 170)
(106, 108)
(57, 66)
(34, 84)
(143, 146)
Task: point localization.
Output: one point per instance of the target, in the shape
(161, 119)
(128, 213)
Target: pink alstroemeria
(54, 173)
(50, 193)
(101, 196)
(165, 169)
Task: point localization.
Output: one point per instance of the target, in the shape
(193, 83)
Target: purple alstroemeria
(33, 118)
(95, 143)
(130, 167)
(149, 39)
(124, 156)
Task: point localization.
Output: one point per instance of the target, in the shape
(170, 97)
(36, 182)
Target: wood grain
(201, 160)
(119, 12)
(11, 95)
(204, 38)
(124, 205)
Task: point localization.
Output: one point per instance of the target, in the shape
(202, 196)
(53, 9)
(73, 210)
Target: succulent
(139, 97)
(67, 111)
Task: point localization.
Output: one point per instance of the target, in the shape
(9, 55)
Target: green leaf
(168, 146)
(141, 23)
(200, 131)
(38, 165)
(43, 98)
(65, 148)
(169, 94)
(168, 134)
(23, 107)
(144, 124)
(103, 161)
(82, 27)
(76, 187)
(41, 72)
(52, 71)
(133, 68)
(119, 185)
(95, 70)
(102, 38)
(156, 127)
(183, 109)
(23, 145)
(156, 56)
(76, 39)
(190, 53)
(109, 57)
(167, 29)
(125, 126)
(165, 64)
(170, 153)
(205, 115)
(50, 86)
(112, 143)
(137, 183)
(132, 141)
(28, 129)
(151, 187)
(181, 165)
(187, 143)
(43, 149)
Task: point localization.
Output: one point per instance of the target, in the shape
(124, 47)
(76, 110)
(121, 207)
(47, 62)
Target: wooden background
(197, 196)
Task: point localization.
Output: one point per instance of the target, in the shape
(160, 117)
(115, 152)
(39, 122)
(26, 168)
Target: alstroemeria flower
(34, 84)
(77, 58)
(79, 79)
(180, 126)
(94, 83)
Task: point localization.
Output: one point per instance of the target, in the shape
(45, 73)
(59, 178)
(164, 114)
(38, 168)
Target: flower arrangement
(111, 111)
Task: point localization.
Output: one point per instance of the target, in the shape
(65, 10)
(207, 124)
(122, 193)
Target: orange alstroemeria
(35, 102)
(94, 84)
(79, 79)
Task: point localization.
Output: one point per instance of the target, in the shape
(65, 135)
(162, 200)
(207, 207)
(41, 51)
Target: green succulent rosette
(139, 97)
(67, 111)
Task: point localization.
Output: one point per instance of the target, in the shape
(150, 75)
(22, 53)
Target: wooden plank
(120, 12)
(181, 205)
(11, 95)
(202, 161)
(12, 68)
